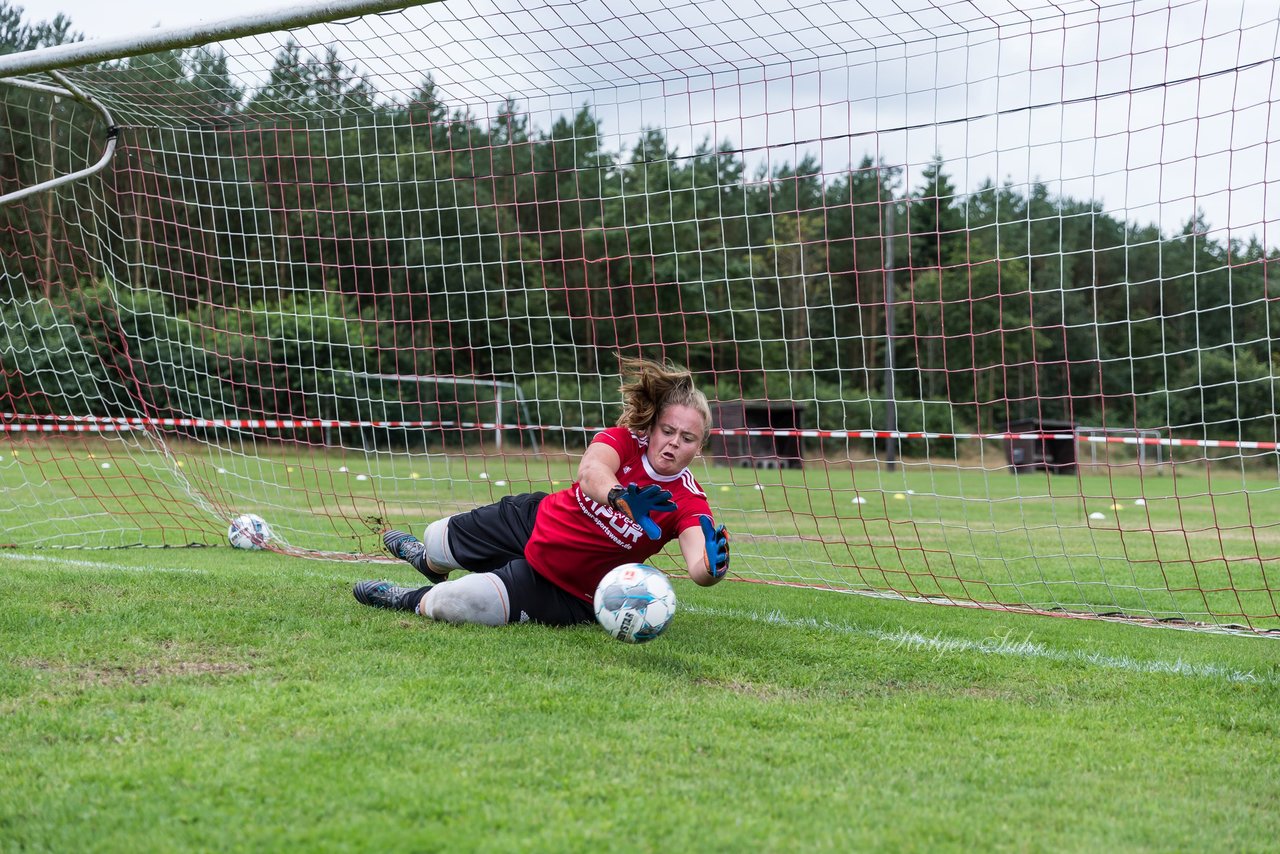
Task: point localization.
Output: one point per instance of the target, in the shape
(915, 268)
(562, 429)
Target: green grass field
(208, 699)
(1202, 544)
(214, 700)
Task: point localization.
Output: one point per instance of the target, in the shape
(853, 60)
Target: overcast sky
(1126, 132)
(99, 19)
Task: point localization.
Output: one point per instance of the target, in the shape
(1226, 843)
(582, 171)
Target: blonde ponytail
(648, 388)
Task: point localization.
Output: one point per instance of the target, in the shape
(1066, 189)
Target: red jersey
(576, 540)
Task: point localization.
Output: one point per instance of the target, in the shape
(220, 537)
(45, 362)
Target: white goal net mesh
(981, 295)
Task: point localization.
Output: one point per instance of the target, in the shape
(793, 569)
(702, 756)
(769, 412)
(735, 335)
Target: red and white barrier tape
(99, 424)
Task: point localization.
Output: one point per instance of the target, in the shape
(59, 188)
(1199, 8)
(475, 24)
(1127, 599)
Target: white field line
(333, 576)
(91, 564)
(936, 644)
(1005, 645)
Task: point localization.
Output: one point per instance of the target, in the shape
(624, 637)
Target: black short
(492, 539)
(534, 598)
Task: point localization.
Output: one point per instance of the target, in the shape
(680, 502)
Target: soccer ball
(635, 603)
(249, 531)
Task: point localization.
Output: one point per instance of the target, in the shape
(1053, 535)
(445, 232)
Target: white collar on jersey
(664, 478)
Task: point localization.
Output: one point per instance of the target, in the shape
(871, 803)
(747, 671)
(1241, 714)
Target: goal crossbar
(191, 35)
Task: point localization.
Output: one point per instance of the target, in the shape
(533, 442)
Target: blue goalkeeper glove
(638, 503)
(717, 542)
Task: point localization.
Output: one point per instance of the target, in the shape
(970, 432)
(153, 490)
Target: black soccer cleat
(410, 549)
(383, 594)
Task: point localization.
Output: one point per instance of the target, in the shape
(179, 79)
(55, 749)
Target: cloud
(1158, 111)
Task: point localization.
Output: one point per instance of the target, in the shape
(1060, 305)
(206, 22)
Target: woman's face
(675, 439)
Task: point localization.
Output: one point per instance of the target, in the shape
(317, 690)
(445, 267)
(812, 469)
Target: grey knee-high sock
(480, 598)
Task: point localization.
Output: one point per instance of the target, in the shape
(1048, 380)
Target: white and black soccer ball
(635, 602)
(249, 531)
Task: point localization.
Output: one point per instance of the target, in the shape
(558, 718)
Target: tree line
(256, 250)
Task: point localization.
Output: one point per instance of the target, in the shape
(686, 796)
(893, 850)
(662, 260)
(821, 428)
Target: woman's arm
(598, 471)
(693, 545)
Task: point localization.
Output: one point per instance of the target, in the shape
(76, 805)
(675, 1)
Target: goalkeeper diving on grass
(539, 557)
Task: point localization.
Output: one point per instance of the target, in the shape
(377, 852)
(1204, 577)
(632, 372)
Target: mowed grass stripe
(251, 705)
(1004, 644)
(1204, 546)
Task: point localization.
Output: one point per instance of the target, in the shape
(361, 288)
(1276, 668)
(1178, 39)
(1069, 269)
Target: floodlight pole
(890, 395)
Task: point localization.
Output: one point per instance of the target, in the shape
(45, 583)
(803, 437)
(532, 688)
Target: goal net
(981, 295)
